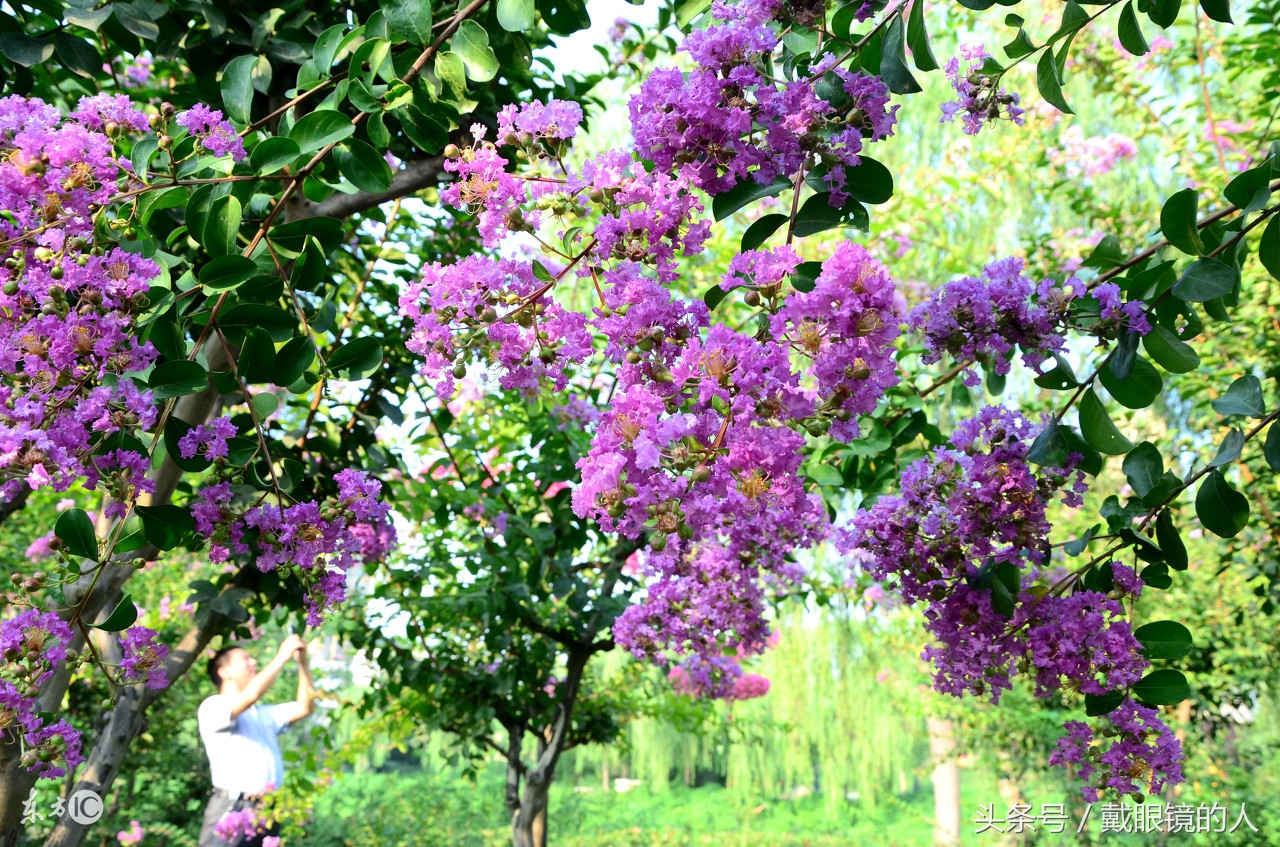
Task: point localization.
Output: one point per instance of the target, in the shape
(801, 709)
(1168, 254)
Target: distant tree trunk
(529, 807)
(946, 784)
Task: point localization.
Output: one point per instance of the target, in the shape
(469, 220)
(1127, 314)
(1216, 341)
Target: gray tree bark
(946, 783)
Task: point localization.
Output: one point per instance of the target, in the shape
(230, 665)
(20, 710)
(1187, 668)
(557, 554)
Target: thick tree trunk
(946, 784)
(529, 807)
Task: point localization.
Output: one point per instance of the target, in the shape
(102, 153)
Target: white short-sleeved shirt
(244, 753)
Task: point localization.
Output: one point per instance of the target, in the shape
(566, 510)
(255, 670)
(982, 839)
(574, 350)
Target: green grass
(371, 810)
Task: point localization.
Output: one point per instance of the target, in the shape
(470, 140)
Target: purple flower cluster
(216, 135)
(1116, 316)
(496, 307)
(846, 326)
(32, 644)
(976, 500)
(208, 440)
(981, 319)
(323, 541)
(67, 315)
(238, 825)
(978, 99)
(1138, 755)
(144, 657)
(1093, 156)
(729, 120)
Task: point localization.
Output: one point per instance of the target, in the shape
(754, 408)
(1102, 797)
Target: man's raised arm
(265, 677)
(306, 688)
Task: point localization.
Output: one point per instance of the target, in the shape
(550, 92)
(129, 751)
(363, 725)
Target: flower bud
(459, 371)
(633, 357)
(167, 110)
(451, 151)
(752, 298)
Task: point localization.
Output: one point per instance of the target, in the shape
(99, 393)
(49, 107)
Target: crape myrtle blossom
(727, 121)
(1137, 755)
(983, 319)
(965, 513)
(978, 99)
(32, 644)
(68, 310)
(144, 657)
(216, 135)
(322, 541)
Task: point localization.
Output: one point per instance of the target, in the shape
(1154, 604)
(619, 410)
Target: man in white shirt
(239, 735)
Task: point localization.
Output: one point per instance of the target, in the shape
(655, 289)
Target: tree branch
(416, 176)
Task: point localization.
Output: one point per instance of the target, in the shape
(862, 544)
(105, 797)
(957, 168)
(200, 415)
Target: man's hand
(289, 647)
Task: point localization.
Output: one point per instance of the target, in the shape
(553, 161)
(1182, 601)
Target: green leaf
(1130, 33)
(1049, 448)
(1096, 705)
(471, 43)
(1162, 688)
(132, 19)
(223, 225)
(410, 18)
(1005, 586)
(1164, 12)
(1269, 247)
(818, 215)
(825, 475)
(320, 128)
(293, 359)
(714, 297)
(1169, 351)
(273, 154)
(1243, 397)
(1050, 84)
(175, 379)
(759, 231)
(257, 360)
(1175, 552)
(227, 272)
(893, 61)
(452, 72)
(1206, 279)
(746, 191)
(1164, 640)
(1139, 390)
(1218, 10)
(1157, 575)
(869, 182)
(24, 50)
(918, 39)
(264, 405)
(515, 15)
(75, 530)
(77, 54)
(293, 235)
(1143, 467)
(237, 88)
(356, 359)
(1251, 190)
(1271, 447)
(278, 323)
(1060, 378)
(1098, 430)
(121, 618)
(90, 19)
(1223, 510)
(1073, 18)
(1178, 221)
(363, 166)
(166, 526)
(1230, 449)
